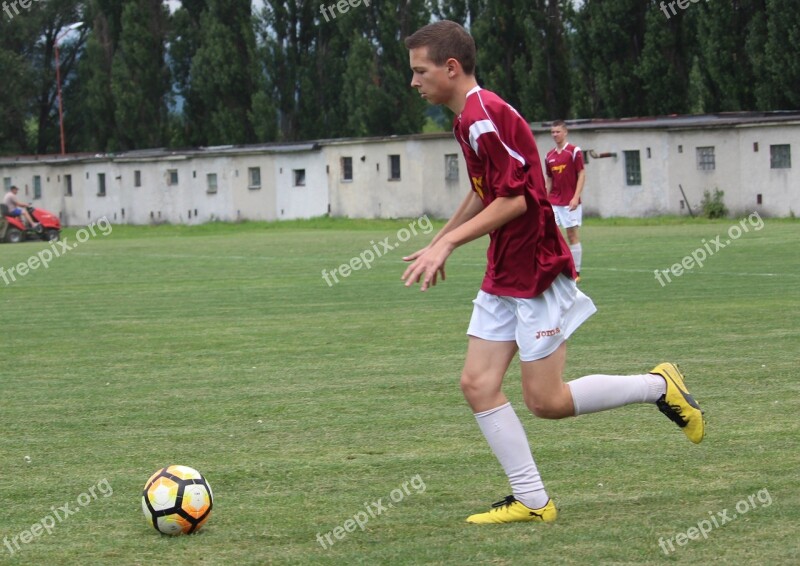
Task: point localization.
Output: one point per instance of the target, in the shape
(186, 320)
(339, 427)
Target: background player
(528, 301)
(565, 179)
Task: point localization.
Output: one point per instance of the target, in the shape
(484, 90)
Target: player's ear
(453, 67)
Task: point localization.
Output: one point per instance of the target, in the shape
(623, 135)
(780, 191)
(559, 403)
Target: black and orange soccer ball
(177, 500)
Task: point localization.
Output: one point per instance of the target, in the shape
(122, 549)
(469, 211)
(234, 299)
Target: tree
(777, 37)
(722, 30)
(185, 38)
(222, 76)
(140, 80)
(664, 66)
(609, 39)
(54, 21)
(95, 119)
(17, 44)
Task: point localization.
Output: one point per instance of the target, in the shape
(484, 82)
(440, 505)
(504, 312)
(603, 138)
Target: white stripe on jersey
(477, 129)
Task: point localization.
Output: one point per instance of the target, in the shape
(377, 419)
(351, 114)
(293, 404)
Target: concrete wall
(668, 158)
(740, 172)
(421, 189)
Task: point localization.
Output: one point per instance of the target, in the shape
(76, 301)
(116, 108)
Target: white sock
(506, 437)
(577, 253)
(594, 393)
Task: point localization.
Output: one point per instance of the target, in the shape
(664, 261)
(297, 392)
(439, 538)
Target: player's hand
(573, 204)
(427, 264)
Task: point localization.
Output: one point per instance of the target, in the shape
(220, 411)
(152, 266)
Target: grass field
(221, 347)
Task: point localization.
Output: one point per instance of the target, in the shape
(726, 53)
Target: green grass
(221, 347)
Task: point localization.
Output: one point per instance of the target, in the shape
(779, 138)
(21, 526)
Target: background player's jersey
(563, 167)
(528, 253)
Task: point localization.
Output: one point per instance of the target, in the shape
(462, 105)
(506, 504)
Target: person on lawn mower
(18, 208)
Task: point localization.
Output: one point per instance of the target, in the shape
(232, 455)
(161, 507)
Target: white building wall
(606, 192)
(300, 201)
(779, 188)
(245, 200)
(695, 181)
(423, 188)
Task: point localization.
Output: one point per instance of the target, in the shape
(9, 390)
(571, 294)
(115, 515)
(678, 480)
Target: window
(172, 177)
(101, 184)
(780, 156)
(211, 183)
(137, 178)
(68, 185)
(7, 183)
(37, 186)
(633, 168)
(705, 158)
(254, 177)
(394, 167)
(347, 168)
(299, 177)
(451, 167)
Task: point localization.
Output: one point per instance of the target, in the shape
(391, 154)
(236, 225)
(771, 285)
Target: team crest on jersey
(477, 184)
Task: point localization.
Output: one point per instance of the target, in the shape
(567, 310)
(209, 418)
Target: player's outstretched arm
(469, 207)
(431, 259)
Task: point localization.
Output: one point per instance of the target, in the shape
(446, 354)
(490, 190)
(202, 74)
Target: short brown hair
(445, 39)
(558, 123)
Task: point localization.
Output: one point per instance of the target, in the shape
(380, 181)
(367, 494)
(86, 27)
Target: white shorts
(567, 218)
(538, 325)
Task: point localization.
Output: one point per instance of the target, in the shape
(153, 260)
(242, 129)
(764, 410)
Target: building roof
(673, 122)
(162, 154)
(681, 122)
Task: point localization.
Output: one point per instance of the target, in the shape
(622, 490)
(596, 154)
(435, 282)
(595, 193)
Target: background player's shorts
(538, 325)
(567, 218)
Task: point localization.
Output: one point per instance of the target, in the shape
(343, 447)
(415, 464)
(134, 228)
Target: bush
(713, 207)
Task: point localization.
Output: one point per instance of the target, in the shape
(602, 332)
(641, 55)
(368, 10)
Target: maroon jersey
(527, 254)
(563, 167)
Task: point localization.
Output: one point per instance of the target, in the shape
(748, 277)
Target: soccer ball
(177, 500)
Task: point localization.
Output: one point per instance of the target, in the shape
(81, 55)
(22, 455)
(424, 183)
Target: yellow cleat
(509, 510)
(678, 405)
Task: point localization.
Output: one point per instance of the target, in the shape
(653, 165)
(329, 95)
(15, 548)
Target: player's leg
(563, 308)
(489, 352)
(574, 221)
(545, 393)
(484, 368)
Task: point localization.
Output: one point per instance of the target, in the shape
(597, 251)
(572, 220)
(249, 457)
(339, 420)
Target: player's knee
(475, 387)
(546, 408)
(572, 236)
(469, 384)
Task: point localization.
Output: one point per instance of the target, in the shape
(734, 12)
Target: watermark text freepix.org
(9, 5)
(372, 510)
(701, 254)
(57, 248)
(716, 520)
(682, 4)
(342, 6)
(365, 258)
(47, 524)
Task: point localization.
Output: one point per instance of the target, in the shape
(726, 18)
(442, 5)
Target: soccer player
(565, 179)
(528, 302)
